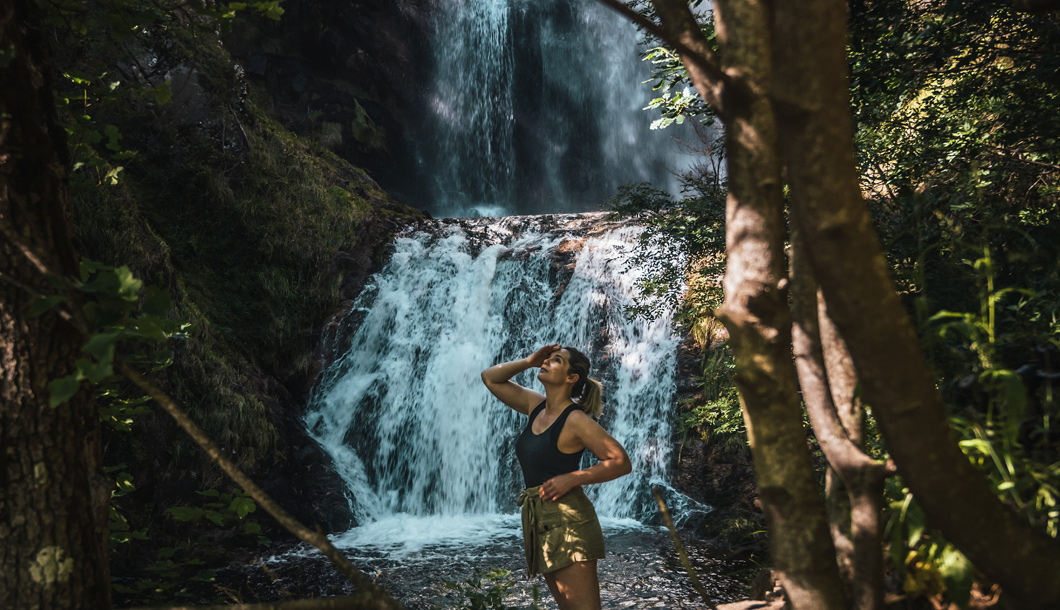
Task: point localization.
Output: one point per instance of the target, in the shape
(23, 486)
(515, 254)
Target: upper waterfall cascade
(401, 407)
(537, 106)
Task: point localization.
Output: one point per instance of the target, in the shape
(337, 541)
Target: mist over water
(536, 106)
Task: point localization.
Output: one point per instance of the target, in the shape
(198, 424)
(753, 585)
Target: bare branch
(16, 240)
(681, 549)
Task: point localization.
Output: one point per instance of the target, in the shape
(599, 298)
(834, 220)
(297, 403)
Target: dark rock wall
(351, 75)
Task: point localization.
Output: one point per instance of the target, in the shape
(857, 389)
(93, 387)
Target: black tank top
(539, 454)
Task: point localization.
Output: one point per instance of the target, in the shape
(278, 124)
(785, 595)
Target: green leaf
(101, 346)
(128, 286)
(243, 506)
(251, 528)
(209, 493)
(88, 267)
(975, 444)
(958, 574)
(185, 513)
(150, 328)
(62, 389)
(42, 304)
(92, 371)
(1010, 386)
(124, 483)
(113, 135)
(113, 177)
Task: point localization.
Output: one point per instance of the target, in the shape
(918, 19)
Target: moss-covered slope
(258, 234)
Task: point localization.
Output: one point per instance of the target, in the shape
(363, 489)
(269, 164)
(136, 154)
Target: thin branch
(681, 549)
(369, 594)
(76, 316)
(65, 315)
(27, 251)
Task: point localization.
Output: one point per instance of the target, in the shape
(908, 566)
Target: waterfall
(401, 408)
(537, 106)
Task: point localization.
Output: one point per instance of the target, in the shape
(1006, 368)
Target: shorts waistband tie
(531, 501)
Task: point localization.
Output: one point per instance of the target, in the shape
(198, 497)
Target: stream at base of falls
(412, 557)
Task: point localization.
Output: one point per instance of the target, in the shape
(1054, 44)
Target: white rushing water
(427, 453)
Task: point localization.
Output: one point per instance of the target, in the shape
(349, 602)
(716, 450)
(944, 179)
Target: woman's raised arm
(498, 380)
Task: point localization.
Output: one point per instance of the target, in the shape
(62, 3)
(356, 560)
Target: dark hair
(587, 392)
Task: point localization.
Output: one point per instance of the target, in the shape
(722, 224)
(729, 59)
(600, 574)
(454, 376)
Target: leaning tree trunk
(52, 548)
(812, 97)
(756, 308)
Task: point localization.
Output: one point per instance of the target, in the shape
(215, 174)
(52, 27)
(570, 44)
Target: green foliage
(183, 566)
(957, 110)
(956, 115)
(927, 564)
(677, 100)
(714, 414)
(224, 510)
(996, 428)
(238, 219)
(120, 530)
(1003, 426)
(681, 249)
(109, 298)
(487, 590)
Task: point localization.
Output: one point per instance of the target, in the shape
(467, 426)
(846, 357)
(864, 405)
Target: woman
(561, 533)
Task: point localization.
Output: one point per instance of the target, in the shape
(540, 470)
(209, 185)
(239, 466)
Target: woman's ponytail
(592, 398)
(587, 392)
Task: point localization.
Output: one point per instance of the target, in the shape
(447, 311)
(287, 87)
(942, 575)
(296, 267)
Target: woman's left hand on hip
(556, 487)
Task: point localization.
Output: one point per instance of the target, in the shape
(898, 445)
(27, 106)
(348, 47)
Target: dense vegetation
(956, 114)
(249, 237)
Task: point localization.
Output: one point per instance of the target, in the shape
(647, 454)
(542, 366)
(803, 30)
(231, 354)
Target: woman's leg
(575, 587)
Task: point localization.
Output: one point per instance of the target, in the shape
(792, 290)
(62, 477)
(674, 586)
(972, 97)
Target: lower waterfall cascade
(401, 409)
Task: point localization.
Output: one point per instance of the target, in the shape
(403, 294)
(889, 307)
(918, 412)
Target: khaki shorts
(558, 534)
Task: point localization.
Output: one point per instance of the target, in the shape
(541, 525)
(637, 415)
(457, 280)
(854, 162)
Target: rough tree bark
(756, 309)
(811, 97)
(52, 541)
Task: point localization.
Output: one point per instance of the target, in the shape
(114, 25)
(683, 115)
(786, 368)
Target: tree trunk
(755, 310)
(854, 482)
(52, 546)
(811, 96)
